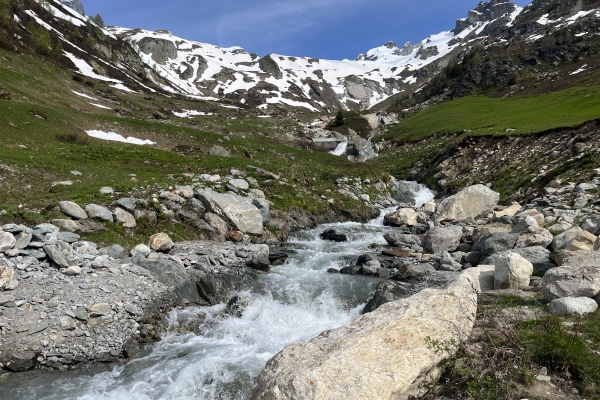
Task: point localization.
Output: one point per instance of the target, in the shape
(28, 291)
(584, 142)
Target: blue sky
(332, 29)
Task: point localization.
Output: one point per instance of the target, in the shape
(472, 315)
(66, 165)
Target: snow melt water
(210, 354)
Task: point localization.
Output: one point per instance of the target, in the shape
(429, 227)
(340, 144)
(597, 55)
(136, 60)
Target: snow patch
(122, 87)
(583, 68)
(115, 137)
(84, 95)
(190, 113)
(100, 106)
(86, 69)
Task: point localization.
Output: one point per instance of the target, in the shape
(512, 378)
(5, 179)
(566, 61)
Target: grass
(480, 115)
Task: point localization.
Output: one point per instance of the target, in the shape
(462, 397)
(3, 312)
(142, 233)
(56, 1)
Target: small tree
(339, 118)
(98, 20)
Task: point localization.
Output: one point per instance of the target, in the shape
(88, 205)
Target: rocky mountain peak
(75, 5)
(486, 12)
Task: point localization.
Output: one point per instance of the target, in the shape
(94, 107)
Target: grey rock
(219, 151)
(98, 212)
(56, 255)
(217, 289)
(525, 225)
(68, 237)
(405, 192)
(386, 292)
(197, 206)
(468, 203)
(573, 305)
(72, 209)
(99, 309)
(8, 277)
(571, 282)
(7, 241)
(495, 243)
(170, 273)
(124, 218)
(399, 239)
(128, 203)
(17, 360)
(114, 251)
(264, 206)
(22, 240)
(442, 239)
(538, 256)
(512, 271)
(238, 210)
(240, 184)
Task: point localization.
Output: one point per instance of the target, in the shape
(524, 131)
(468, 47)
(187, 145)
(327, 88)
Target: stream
(208, 353)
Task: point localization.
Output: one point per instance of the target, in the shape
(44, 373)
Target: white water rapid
(208, 354)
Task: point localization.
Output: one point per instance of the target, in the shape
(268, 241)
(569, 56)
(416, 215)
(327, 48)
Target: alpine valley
(180, 220)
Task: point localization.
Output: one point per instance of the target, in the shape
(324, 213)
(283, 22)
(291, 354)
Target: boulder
(219, 151)
(442, 239)
(67, 225)
(122, 217)
(71, 209)
(73, 270)
(571, 282)
(216, 223)
(98, 212)
(140, 250)
(573, 305)
(217, 289)
(400, 239)
(495, 243)
(483, 230)
(238, 210)
(240, 184)
(509, 211)
(467, 204)
(264, 206)
(406, 192)
(22, 240)
(538, 256)
(18, 360)
(8, 277)
(99, 309)
(541, 237)
(526, 225)
(160, 242)
(334, 235)
(7, 241)
(384, 354)
(512, 271)
(56, 255)
(404, 216)
(388, 291)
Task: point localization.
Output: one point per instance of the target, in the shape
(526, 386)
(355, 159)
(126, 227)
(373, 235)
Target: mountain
(75, 5)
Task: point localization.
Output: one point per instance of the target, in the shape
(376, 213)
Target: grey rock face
(240, 211)
(442, 239)
(162, 50)
(219, 151)
(72, 210)
(269, 66)
(215, 289)
(363, 150)
(75, 5)
(405, 192)
(386, 292)
(495, 243)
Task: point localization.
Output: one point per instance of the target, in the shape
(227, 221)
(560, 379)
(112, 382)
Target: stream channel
(210, 354)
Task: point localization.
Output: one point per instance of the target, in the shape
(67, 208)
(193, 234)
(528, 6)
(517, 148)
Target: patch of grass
(480, 115)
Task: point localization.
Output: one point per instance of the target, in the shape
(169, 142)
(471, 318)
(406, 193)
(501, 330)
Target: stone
(541, 238)
(429, 207)
(140, 250)
(22, 240)
(510, 211)
(597, 244)
(216, 223)
(7, 241)
(495, 243)
(403, 216)
(106, 190)
(334, 235)
(562, 241)
(56, 255)
(526, 225)
(386, 292)
(240, 184)
(16, 360)
(538, 216)
(397, 238)
(67, 225)
(98, 212)
(171, 272)
(128, 203)
(405, 192)
(122, 217)
(259, 262)
(114, 251)
(538, 256)
(8, 278)
(384, 354)
(448, 263)
(264, 206)
(73, 270)
(68, 237)
(72, 210)
(219, 151)
(99, 309)
(573, 305)
(81, 314)
(238, 210)
(130, 348)
(572, 281)
(216, 289)
(467, 204)
(512, 271)
(483, 230)
(235, 236)
(442, 239)
(160, 242)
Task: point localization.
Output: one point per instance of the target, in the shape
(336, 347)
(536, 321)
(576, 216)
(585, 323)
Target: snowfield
(115, 137)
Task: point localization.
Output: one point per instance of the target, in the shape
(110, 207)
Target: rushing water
(210, 354)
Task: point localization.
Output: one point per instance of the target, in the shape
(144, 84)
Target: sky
(328, 29)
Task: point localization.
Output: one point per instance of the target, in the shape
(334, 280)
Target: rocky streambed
(302, 319)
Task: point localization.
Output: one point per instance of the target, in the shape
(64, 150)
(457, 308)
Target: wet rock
(386, 292)
(17, 360)
(160, 242)
(334, 235)
(405, 192)
(467, 204)
(72, 209)
(217, 289)
(259, 262)
(131, 347)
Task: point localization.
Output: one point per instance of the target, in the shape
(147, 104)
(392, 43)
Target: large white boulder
(580, 281)
(573, 305)
(512, 271)
(445, 238)
(240, 211)
(468, 203)
(403, 216)
(385, 354)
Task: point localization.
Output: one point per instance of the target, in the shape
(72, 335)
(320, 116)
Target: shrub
(74, 138)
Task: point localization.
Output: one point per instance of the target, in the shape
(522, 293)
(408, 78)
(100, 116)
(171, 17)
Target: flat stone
(68, 237)
(72, 209)
(56, 255)
(122, 217)
(573, 305)
(99, 212)
(99, 309)
(7, 241)
(67, 225)
(73, 270)
(160, 242)
(107, 190)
